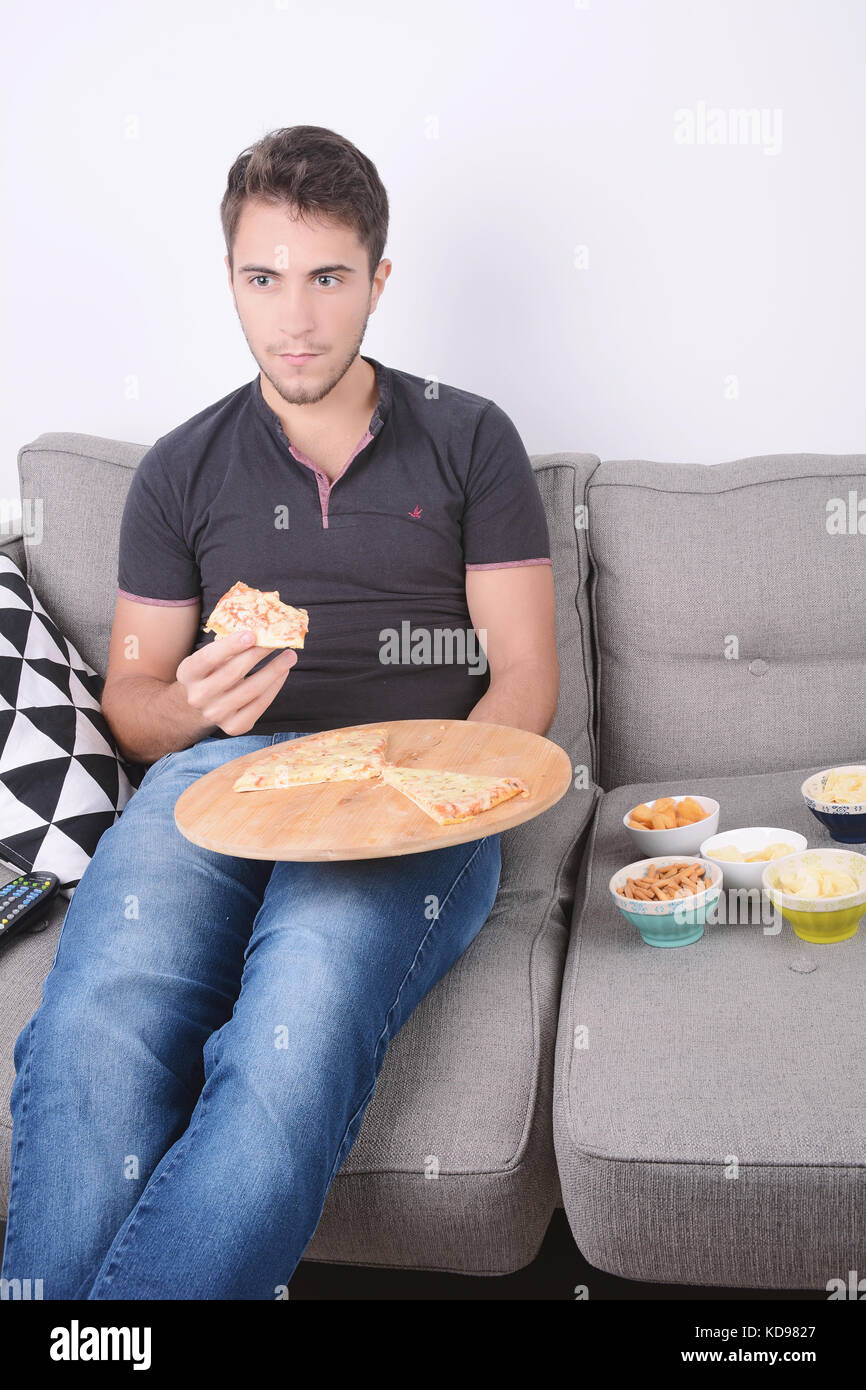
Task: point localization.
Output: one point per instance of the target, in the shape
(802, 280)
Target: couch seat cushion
(713, 1131)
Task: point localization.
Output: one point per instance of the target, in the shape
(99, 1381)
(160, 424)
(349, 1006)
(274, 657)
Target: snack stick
(664, 882)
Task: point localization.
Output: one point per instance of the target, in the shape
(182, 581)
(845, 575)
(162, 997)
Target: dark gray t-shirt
(439, 483)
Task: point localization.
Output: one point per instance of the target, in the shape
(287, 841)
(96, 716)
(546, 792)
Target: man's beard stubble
(300, 394)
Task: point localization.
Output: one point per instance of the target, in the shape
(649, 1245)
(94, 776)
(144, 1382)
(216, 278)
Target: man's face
(301, 287)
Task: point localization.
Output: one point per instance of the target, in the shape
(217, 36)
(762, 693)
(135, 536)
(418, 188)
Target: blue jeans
(208, 1040)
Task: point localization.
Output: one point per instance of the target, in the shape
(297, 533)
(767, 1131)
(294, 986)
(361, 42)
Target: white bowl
(683, 839)
(748, 839)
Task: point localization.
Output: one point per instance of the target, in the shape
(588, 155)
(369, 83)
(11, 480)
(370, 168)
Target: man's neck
(344, 411)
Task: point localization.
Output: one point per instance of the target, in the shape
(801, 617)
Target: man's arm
(514, 607)
(144, 704)
(160, 695)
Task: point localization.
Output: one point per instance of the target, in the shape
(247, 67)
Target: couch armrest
(13, 546)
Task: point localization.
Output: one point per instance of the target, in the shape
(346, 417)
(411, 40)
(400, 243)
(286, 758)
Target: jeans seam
(426, 937)
(16, 1156)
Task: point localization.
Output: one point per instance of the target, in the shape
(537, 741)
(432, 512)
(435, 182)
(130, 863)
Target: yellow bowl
(820, 920)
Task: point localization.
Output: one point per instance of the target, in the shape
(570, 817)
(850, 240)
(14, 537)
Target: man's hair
(312, 170)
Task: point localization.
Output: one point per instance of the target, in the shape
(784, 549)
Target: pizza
(337, 755)
(347, 755)
(275, 624)
(451, 797)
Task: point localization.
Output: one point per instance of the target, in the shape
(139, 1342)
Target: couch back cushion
(728, 625)
(73, 487)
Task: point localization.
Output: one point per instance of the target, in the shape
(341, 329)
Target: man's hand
(217, 686)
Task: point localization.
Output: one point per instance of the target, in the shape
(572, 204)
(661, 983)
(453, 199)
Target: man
(212, 1027)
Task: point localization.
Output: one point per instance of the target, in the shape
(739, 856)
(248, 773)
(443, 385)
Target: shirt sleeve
(154, 563)
(504, 522)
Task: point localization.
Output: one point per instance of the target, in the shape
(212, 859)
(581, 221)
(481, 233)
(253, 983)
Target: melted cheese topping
(337, 755)
(260, 610)
(450, 797)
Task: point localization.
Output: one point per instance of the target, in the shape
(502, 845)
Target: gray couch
(712, 1132)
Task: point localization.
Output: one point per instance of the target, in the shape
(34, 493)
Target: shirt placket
(324, 484)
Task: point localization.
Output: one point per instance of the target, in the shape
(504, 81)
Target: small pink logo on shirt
(417, 512)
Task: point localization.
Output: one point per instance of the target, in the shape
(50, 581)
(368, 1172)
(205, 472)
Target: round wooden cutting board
(367, 819)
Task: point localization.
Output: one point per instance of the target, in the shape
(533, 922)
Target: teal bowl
(678, 922)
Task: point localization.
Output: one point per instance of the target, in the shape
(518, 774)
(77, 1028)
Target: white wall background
(717, 307)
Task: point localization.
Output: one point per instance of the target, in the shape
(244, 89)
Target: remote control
(23, 901)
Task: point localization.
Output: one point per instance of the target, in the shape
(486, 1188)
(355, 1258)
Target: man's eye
(255, 279)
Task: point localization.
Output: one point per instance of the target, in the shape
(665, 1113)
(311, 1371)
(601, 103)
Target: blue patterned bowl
(846, 824)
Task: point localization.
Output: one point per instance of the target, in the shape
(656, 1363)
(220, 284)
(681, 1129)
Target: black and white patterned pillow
(62, 782)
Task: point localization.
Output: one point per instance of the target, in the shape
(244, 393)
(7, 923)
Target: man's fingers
(220, 663)
(229, 702)
(221, 649)
(242, 720)
(269, 657)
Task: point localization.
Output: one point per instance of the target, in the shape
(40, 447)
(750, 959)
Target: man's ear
(231, 281)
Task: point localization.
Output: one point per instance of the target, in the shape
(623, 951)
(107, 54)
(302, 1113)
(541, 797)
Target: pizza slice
(336, 755)
(451, 797)
(275, 624)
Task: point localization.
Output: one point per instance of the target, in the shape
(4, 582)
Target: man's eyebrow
(319, 270)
